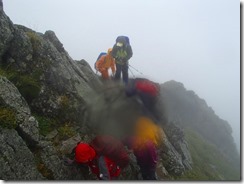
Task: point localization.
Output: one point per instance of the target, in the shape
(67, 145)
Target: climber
(105, 156)
(104, 63)
(148, 92)
(144, 144)
(122, 52)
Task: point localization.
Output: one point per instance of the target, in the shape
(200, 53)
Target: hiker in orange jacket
(104, 63)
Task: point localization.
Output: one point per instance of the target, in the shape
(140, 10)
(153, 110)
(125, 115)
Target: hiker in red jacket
(148, 92)
(105, 156)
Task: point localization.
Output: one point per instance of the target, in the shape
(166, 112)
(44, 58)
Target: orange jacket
(106, 62)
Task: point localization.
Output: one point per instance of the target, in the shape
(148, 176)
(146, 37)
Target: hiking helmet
(84, 153)
(110, 50)
(123, 39)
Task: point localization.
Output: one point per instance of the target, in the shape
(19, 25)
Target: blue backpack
(100, 55)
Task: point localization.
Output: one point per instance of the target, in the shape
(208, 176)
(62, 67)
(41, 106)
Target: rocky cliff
(192, 113)
(49, 102)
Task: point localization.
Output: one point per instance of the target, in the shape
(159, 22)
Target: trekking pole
(136, 69)
(132, 73)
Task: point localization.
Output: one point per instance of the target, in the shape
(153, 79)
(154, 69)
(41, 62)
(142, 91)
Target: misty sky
(195, 42)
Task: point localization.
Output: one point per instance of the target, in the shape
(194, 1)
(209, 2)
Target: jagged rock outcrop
(51, 83)
(190, 111)
(50, 79)
(171, 159)
(17, 161)
(1, 4)
(50, 35)
(177, 139)
(10, 98)
(87, 70)
(6, 31)
(53, 166)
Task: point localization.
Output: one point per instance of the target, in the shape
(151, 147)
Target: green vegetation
(67, 110)
(28, 85)
(64, 101)
(3, 72)
(208, 162)
(35, 40)
(26, 80)
(46, 125)
(8, 118)
(47, 173)
(66, 131)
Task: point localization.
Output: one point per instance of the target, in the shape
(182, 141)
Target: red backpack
(112, 148)
(147, 86)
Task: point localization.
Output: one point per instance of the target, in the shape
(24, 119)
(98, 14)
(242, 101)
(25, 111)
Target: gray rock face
(132, 171)
(52, 134)
(68, 145)
(176, 137)
(20, 51)
(54, 165)
(171, 159)
(16, 160)
(1, 5)
(10, 97)
(6, 32)
(54, 73)
(50, 35)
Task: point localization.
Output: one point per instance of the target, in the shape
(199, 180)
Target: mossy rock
(47, 173)
(46, 125)
(8, 118)
(35, 40)
(28, 86)
(66, 131)
(64, 102)
(3, 72)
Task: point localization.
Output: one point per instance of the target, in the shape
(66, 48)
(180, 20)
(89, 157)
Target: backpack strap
(105, 57)
(103, 168)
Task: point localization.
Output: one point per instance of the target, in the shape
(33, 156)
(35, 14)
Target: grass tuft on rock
(8, 118)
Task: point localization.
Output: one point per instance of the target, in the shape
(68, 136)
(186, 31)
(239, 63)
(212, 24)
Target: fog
(190, 41)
